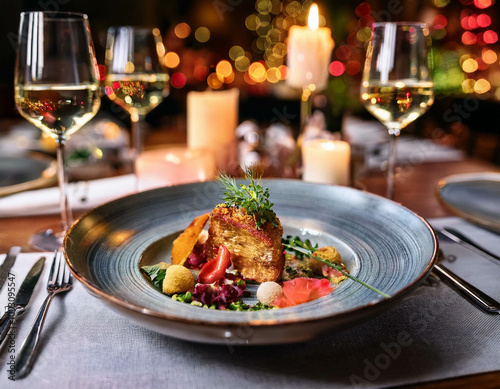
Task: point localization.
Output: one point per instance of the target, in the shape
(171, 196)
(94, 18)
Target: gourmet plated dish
(244, 246)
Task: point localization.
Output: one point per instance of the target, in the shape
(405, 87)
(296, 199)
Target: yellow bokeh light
(470, 65)
(489, 56)
(364, 34)
(236, 52)
(273, 75)
(463, 58)
(252, 22)
(172, 60)
(229, 79)
(182, 30)
(257, 72)
(156, 32)
(482, 86)
(468, 85)
(242, 64)
(214, 81)
(202, 34)
(224, 68)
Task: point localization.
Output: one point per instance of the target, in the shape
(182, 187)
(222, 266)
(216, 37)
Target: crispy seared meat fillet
(257, 254)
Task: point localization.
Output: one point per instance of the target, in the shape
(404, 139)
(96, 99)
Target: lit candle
(212, 118)
(172, 166)
(326, 161)
(309, 52)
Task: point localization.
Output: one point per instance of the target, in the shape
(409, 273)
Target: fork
(60, 280)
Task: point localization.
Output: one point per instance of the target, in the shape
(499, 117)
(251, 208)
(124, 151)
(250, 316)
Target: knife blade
(460, 238)
(8, 263)
(21, 301)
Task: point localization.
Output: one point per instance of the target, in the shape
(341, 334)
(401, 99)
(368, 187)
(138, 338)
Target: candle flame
(313, 20)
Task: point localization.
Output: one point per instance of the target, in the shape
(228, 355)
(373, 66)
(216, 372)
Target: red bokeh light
(178, 80)
(336, 68)
(200, 72)
(481, 65)
(465, 23)
(440, 22)
(483, 3)
(366, 21)
(343, 52)
(483, 20)
(468, 38)
(472, 22)
(353, 67)
(363, 9)
(490, 37)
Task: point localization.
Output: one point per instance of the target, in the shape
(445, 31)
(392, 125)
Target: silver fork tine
(56, 283)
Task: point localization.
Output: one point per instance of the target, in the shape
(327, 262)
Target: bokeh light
(172, 60)
(214, 81)
(257, 72)
(489, 56)
(202, 34)
(336, 68)
(224, 69)
(468, 85)
(490, 37)
(483, 3)
(178, 80)
(482, 86)
(468, 38)
(470, 65)
(182, 30)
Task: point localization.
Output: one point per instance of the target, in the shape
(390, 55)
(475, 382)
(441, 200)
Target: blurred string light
(480, 62)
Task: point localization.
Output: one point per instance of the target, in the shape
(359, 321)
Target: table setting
(410, 298)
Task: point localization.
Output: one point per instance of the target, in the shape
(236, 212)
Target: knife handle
(29, 346)
(465, 289)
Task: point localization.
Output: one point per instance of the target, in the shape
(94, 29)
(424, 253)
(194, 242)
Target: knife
(8, 263)
(22, 299)
(460, 238)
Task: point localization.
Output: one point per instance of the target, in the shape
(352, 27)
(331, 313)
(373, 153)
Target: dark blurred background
(250, 35)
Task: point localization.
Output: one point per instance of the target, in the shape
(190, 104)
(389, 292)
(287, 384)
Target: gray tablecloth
(432, 334)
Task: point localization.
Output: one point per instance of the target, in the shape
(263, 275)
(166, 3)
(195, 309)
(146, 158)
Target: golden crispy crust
(257, 254)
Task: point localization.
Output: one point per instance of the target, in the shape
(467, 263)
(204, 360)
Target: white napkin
(82, 196)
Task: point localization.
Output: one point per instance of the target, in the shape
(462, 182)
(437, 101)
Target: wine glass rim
(58, 14)
(415, 24)
(137, 28)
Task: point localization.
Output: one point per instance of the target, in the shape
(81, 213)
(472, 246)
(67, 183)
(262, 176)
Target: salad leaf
(156, 275)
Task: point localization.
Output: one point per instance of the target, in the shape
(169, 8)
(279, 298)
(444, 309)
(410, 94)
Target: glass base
(50, 239)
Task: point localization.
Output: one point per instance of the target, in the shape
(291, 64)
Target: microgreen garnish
(254, 198)
(295, 244)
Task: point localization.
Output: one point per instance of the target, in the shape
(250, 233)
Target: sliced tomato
(215, 269)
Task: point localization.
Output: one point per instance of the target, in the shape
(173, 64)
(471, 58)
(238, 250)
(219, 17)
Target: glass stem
(137, 133)
(305, 108)
(66, 216)
(391, 163)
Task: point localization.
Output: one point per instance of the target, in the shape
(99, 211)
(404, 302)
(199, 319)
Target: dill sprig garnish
(254, 198)
(295, 244)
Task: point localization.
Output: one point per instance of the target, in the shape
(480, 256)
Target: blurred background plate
(473, 196)
(20, 173)
(383, 243)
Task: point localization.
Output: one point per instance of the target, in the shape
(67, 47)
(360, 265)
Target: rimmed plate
(473, 196)
(383, 243)
(18, 174)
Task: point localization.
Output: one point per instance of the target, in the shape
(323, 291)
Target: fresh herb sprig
(254, 198)
(305, 248)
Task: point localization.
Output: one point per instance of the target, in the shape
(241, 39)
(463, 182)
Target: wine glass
(136, 77)
(57, 90)
(397, 84)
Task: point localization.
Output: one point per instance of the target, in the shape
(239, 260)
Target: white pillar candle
(326, 161)
(309, 53)
(172, 166)
(212, 118)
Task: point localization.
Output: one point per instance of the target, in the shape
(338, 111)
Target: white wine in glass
(397, 85)
(136, 76)
(57, 90)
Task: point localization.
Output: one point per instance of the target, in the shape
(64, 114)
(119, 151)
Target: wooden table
(415, 190)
